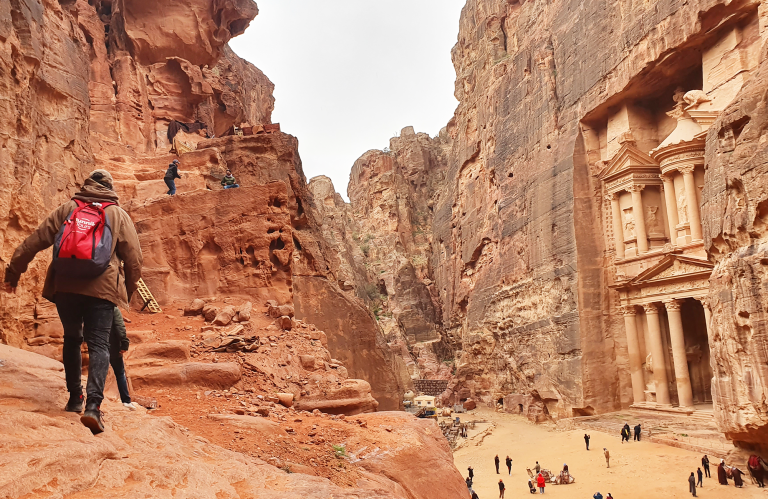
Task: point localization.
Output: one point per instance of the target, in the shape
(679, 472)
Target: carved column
(618, 229)
(657, 354)
(635, 356)
(671, 202)
(680, 358)
(708, 318)
(639, 215)
(691, 199)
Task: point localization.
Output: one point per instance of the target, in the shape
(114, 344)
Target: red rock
(224, 316)
(470, 404)
(352, 397)
(194, 308)
(285, 399)
(220, 375)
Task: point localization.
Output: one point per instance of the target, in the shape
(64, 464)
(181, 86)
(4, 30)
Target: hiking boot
(75, 403)
(130, 405)
(91, 418)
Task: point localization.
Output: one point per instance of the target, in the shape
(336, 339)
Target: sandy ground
(638, 470)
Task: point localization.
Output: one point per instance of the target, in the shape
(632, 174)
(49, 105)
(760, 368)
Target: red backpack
(83, 246)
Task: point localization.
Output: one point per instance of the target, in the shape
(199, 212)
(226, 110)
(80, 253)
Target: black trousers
(90, 319)
(637, 437)
(706, 471)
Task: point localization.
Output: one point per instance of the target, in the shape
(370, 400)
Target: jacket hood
(94, 192)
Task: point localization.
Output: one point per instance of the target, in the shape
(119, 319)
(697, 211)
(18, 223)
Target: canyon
(586, 234)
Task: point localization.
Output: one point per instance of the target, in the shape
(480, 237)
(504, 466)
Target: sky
(350, 74)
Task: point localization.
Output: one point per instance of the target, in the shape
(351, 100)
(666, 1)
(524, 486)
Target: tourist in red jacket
(541, 483)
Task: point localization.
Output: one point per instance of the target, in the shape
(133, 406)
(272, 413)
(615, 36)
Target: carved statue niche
(629, 224)
(652, 221)
(682, 207)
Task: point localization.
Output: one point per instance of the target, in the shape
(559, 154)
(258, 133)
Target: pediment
(626, 160)
(673, 267)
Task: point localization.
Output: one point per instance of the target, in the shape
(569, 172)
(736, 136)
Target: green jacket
(228, 180)
(118, 332)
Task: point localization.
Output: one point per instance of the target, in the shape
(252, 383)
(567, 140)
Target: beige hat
(101, 176)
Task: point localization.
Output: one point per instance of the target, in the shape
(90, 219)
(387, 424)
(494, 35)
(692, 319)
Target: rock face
(735, 213)
(521, 280)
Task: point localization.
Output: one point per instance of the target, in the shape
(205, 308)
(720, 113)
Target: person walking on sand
(509, 465)
(597, 495)
(705, 464)
(722, 477)
(586, 439)
(171, 174)
(607, 457)
(737, 481)
(501, 489)
(496, 462)
(692, 484)
(700, 476)
(96, 265)
(541, 483)
(638, 431)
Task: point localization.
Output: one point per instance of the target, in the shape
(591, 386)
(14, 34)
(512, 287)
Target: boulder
(470, 404)
(224, 316)
(194, 308)
(286, 322)
(307, 362)
(222, 375)
(352, 397)
(276, 311)
(210, 312)
(285, 399)
(171, 350)
(244, 312)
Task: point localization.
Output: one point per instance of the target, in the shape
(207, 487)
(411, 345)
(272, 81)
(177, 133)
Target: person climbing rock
(118, 345)
(92, 271)
(229, 182)
(171, 174)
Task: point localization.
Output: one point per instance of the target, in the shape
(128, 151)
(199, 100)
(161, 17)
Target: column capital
(686, 169)
(651, 308)
(612, 196)
(672, 304)
(628, 310)
(636, 187)
(666, 177)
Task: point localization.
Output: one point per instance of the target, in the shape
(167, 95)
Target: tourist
(607, 457)
(586, 439)
(737, 481)
(469, 483)
(541, 483)
(700, 476)
(692, 484)
(229, 182)
(118, 345)
(638, 431)
(721, 475)
(625, 433)
(705, 464)
(471, 472)
(509, 465)
(171, 174)
(609, 496)
(565, 467)
(496, 461)
(597, 495)
(83, 281)
(474, 495)
(531, 487)
(501, 489)
(537, 467)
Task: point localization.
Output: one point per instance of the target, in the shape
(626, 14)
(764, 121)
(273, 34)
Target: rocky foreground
(222, 433)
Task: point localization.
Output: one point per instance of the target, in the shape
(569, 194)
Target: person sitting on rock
(171, 174)
(229, 182)
(118, 345)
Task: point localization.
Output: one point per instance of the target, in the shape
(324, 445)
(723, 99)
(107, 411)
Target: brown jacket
(117, 283)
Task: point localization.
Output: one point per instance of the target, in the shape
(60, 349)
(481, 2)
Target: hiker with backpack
(96, 265)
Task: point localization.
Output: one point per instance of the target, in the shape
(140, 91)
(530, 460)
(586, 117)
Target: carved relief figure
(629, 224)
(652, 221)
(682, 208)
